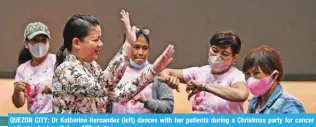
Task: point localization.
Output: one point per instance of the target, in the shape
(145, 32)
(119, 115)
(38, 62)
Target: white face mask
(217, 63)
(38, 50)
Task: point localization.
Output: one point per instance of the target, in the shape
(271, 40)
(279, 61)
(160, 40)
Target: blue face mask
(136, 66)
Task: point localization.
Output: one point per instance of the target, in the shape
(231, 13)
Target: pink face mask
(259, 87)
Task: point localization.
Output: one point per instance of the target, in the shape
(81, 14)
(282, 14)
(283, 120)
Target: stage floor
(304, 91)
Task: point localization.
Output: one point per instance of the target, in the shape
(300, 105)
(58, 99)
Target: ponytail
(60, 56)
(25, 55)
(78, 26)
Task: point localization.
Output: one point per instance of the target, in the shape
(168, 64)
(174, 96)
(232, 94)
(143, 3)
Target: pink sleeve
(18, 74)
(190, 73)
(238, 77)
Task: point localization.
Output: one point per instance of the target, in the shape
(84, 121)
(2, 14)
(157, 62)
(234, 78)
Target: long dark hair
(24, 55)
(78, 26)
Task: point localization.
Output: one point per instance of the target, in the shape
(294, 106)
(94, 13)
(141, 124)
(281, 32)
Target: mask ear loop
(271, 81)
(231, 63)
(276, 76)
(26, 44)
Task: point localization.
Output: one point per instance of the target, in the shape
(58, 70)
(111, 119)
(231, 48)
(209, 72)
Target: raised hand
(164, 59)
(130, 32)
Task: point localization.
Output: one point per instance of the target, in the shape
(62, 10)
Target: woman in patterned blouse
(80, 85)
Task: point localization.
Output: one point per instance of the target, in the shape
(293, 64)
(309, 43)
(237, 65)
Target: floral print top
(80, 87)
